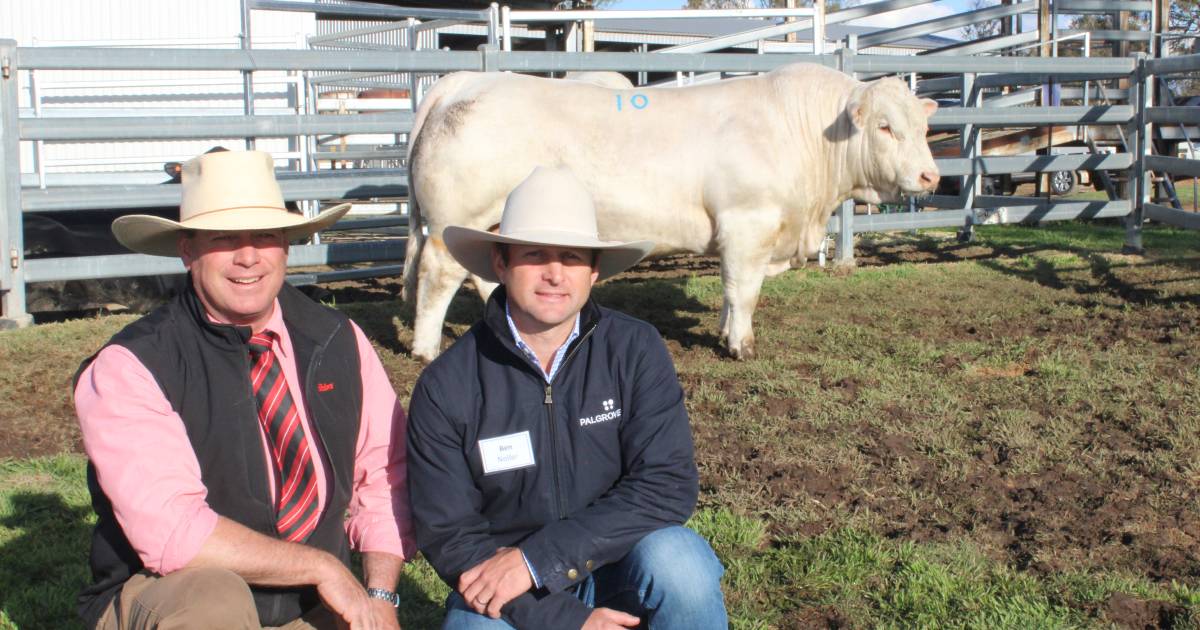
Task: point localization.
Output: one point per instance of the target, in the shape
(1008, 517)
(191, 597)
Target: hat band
(207, 212)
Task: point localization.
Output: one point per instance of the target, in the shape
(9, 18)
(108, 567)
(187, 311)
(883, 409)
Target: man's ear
(186, 248)
(498, 265)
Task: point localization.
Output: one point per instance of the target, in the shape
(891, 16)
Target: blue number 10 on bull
(637, 101)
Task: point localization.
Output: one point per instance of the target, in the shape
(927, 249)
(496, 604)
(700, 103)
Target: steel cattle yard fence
(1135, 118)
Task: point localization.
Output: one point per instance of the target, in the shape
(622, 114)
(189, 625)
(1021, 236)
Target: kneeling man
(550, 457)
(241, 437)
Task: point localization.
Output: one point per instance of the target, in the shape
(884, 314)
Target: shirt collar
(523, 347)
(283, 341)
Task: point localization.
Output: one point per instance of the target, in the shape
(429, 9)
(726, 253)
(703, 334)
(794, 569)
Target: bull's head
(889, 143)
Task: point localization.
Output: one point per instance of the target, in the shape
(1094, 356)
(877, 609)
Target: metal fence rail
(964, 210)
(1176, 117)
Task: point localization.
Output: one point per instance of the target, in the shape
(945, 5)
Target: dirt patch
(1125, 611)
(815, 618)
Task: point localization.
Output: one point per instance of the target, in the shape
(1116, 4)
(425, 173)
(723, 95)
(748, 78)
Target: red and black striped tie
(296, 497)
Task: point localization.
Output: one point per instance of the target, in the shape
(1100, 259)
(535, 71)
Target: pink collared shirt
(146, 466)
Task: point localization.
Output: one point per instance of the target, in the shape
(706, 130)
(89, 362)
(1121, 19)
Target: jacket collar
(298, 319)
(219, 334)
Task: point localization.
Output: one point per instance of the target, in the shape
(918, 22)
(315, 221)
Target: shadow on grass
(663, 302)
(43, 569)
(1103, 278)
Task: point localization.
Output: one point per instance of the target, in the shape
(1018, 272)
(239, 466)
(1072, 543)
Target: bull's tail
(416, 232)
(412, 247)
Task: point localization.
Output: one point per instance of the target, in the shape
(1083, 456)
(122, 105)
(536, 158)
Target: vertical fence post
(969, 148)
(489, 57)
(12, 240)
(247, 75)
(1138, 189)
(844, 256)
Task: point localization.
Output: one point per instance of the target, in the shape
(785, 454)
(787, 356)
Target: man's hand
(491, 584)
(346, 598)
(609, 619)
(385, 615)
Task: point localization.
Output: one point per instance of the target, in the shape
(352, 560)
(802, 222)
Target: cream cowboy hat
(551, 207)
(223, 191)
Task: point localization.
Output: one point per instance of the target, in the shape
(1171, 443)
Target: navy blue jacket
(612, 449)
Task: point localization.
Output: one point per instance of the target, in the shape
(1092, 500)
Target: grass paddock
(994, 434)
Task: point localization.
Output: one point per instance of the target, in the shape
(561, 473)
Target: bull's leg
(440, 277)
(724, 325)
(776, 268)
(742, 284)
(744, 260)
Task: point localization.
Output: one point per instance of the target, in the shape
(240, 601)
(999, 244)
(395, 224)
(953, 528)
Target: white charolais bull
(750, 169)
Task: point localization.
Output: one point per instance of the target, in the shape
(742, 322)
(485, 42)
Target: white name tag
(506, 452)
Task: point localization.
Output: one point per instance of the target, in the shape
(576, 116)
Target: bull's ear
(930, 106)
(854, 108)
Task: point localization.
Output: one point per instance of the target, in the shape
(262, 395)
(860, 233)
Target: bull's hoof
(424, 356)
(744, 353)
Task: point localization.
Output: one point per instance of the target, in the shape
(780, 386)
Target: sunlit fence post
(12, 244)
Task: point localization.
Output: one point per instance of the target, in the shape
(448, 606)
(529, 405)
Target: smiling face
(236, 274)
(546, 285)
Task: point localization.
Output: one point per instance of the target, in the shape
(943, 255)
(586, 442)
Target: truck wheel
(1062, 182)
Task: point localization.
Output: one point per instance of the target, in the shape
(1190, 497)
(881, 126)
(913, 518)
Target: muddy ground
(1047, 477)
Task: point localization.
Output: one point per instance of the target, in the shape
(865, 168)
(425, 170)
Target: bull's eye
(886, 129)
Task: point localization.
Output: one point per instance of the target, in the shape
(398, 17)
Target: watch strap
(390, 597)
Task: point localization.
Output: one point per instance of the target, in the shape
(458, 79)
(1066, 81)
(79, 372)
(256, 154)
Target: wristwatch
(390, 597)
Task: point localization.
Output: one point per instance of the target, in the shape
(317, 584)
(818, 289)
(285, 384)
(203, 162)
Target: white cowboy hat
(223, 191)
(551, 207)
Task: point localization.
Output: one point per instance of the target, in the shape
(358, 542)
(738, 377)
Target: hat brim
(472, 249)
(148, 234)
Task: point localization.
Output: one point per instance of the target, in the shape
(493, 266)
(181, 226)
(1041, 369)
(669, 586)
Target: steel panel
(1173, 65)
(124, 265)
(1033, 164)
(341, 184)
(1173, 165)
(1031, 116)
(945, 23)
(1173, 217)
(176, 127)
(1173, 115)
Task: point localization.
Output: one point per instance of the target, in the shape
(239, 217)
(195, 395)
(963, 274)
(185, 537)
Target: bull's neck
(834, 169)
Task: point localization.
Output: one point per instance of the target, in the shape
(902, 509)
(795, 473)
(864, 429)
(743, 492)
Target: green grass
(1003, 434)
(1183, 189)
(45, 521)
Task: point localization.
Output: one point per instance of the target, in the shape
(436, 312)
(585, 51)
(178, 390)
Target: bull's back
(644, 154)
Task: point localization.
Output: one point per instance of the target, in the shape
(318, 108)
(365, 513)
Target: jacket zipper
(548, 401)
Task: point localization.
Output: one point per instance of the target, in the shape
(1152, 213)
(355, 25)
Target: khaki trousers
(195, 598)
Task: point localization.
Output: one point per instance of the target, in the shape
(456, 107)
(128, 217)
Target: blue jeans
(670, 579)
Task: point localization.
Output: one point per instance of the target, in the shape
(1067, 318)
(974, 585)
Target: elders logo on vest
(608, 414)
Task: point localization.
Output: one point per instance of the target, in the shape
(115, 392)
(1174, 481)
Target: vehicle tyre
(1062, 182)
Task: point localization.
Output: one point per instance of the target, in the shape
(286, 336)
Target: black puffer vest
(203, 370)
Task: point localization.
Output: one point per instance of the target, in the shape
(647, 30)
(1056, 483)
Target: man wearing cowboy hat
(231, 431)
(550, 458)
